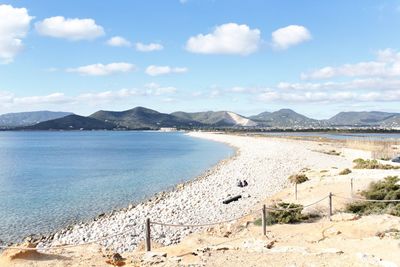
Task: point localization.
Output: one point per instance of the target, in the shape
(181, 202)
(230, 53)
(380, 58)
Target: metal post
(264, 220)
(330, 206)
(148, 236)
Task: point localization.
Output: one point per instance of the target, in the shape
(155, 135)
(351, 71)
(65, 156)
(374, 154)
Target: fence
(263, 211)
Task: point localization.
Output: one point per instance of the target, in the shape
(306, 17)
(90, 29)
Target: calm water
(51, 179)
(341, 136)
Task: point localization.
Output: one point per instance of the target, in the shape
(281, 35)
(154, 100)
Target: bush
(372, 164)
(333, 153)
(387, 189)
(345, 172)
(298, 178)
(285, 216)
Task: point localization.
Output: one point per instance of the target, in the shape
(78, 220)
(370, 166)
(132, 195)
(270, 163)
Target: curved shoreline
(265, 163)
(45, 239)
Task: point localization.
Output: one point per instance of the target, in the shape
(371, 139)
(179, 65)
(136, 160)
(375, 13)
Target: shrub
(282, 216)
(372, 164)
(345, 172)
(298, 178)
(386, 189)
(333, 153)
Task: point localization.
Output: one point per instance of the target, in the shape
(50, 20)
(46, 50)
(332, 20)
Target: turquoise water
(51, 179)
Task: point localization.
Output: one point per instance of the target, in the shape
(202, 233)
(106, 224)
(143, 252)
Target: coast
(265, 163)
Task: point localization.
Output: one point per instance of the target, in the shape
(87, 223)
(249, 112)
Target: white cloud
(108, 96)
(118, 41)
(9, 100)
(229, 38)
(14, 25)
(157, 90)
(334, 97)
(103, 69)
(291, 35)
(153, 70)
(72, 29)
(148, 47)
(54, 98)
(387, 64)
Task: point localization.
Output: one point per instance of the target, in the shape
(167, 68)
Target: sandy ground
(345, 241)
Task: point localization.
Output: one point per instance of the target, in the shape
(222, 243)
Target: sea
(49, 180)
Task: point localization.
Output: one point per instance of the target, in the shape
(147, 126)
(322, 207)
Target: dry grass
(373, 164)
(298, 178)
(379, 149)
(345, 172)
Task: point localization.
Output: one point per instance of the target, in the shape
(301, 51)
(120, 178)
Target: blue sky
(316, 57)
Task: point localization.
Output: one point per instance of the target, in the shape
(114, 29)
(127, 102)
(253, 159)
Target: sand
(266, 164)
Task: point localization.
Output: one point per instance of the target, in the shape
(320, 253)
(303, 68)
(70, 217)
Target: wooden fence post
(351, 185)
(330, 205)
(264, 220)
(148, 235)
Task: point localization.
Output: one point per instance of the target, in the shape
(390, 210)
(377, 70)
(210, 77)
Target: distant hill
(284, 118)
(21, 119)
(216, 118)
(72, 122)
(392, 122)
(140, 118)
(363, 118)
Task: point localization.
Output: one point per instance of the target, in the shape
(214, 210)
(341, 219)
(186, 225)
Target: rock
(374, 260)
(154, 257)
(345, 217)
(331, 251)
(270, 244)
(116, 260)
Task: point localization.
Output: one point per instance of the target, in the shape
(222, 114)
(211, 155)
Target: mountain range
(11, 120)
(141, 118)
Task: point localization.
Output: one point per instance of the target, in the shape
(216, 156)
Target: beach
(265, 163)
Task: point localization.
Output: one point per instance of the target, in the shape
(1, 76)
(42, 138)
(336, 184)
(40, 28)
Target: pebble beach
(264, 162)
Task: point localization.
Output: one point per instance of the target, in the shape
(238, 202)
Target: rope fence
(149, 222)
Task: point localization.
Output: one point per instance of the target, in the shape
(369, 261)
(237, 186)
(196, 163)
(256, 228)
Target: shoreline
(44, 239)
(190, 202)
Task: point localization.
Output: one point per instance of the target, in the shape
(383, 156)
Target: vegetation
(372, 164)
(281, 216)
(386, 189)
(345, 171)
(283, 213)
(332, 152)
(297, 179)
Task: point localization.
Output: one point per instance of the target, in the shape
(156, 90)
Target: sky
(315, 57)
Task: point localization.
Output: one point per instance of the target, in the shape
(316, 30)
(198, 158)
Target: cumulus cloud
(230, 38)
(148, 47)
(72, 29)
(387, 64)
(14, 25)
(118, 41)
(157, 90)
(10, 100)
(54, 98)
(326, 97)
(103, 69)
(291, 35)
(153, 70)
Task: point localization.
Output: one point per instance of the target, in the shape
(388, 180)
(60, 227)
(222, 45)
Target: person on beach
(245, 183)
(239, 183)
